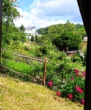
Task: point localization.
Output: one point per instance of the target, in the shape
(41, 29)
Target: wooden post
(44, 75)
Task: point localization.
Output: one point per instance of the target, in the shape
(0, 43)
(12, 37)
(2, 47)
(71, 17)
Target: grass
(19, 95)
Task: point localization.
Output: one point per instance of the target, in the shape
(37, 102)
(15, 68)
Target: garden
(64, 75)
(24, 58)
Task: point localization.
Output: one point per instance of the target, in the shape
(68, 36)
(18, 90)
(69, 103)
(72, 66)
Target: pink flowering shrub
(74, 87)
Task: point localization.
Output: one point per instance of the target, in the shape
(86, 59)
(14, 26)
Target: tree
(9, 13)
(66, 36)
(32, 38)
(22, 28)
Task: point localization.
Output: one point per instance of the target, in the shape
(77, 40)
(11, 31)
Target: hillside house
(30, 30)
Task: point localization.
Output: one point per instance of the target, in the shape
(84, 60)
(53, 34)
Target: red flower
(58, 93)
(82, 101)
(79, 89)
(70, 96)
(76, 70)
(84, 73)
(50, 83)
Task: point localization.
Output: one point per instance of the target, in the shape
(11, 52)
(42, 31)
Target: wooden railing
(28, 58)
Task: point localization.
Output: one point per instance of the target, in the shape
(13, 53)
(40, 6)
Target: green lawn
(19, 95)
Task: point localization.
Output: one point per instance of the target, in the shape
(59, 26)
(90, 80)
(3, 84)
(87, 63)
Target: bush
(62, 56)
(26, 47)
(51, 73)
(75, 85)
(77, 58)
(7, 55)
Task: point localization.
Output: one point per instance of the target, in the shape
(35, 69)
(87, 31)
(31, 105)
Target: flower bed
(74, 86)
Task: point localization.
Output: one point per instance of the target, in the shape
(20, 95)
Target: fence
(27, 59)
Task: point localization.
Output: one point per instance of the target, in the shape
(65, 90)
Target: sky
(43, 13)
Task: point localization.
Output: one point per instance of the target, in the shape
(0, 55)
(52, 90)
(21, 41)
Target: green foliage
(9, 31)
(65, 36)
(32, 38)
(58, 70)
(62, 56)
(36, 38)
(77, 58)
(7, 55)
(43, 31)
(9, 10)
(51, 73)
(11, 34)
(26, 47)
(29, 71)
(68, 37)
(44, 50)
(73, 80)
(38, 53)
(81, 29)
(22, 28)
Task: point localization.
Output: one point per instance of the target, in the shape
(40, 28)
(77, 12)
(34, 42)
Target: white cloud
(47, 12)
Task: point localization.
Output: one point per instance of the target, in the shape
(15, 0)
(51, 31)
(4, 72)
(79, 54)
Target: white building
(31, 31)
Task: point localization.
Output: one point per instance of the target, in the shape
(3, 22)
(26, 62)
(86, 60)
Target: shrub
(7, 55)
(75, 85)
(62, 56)
(77, 58)
(73, 88)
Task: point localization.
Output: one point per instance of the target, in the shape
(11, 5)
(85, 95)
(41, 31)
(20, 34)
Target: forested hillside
(64, 36)
(45, 30)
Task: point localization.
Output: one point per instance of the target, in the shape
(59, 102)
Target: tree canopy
(66, 36)
(9, 31)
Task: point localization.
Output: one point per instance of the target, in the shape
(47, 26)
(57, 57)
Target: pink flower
(79, 89)
(77, 74)
(72, 78)
(58, 93)
(70, 96)
(82, 101)
(76, 70)
(50, 83)
(84, 73)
